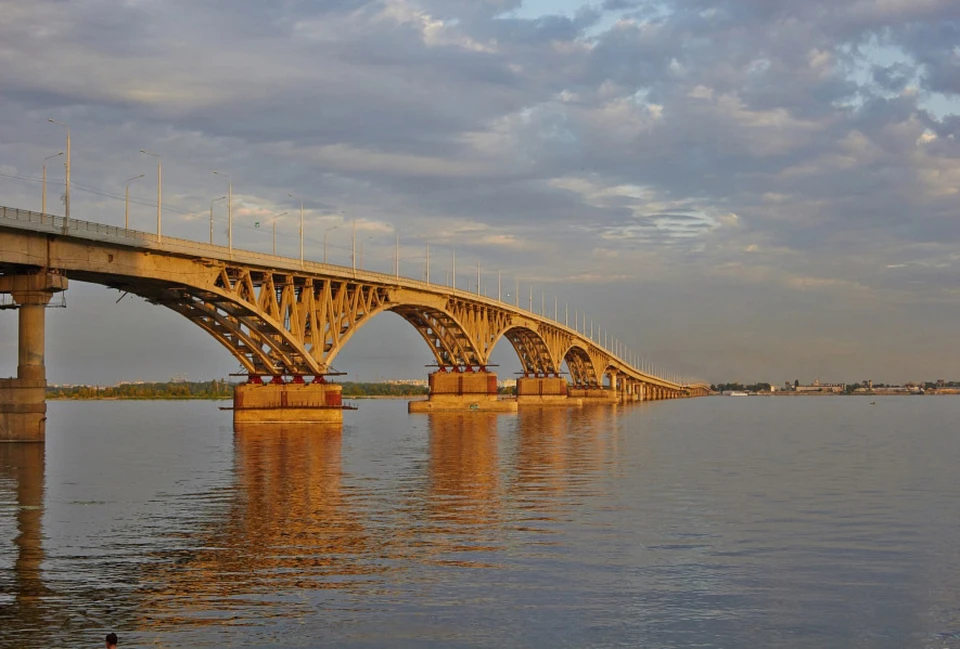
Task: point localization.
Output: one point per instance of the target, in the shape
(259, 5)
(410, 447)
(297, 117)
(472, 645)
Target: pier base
(544, 391)
(286, 404)
(23, 400)
(594, 395)
(463, 391)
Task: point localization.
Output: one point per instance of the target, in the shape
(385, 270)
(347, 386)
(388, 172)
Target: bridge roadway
(283, 317)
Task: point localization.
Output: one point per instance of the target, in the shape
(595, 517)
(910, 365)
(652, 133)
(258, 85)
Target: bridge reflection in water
(295, 521)
(293, 531)
(463, 500)
(22, 590)
(287, 525)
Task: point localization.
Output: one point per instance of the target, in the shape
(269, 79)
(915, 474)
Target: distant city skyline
(724, 206)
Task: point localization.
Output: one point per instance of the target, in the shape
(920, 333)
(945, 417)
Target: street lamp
(229, 209)
(211, 216)
(275, 231)
(66, 203)
(301, 229)
(159, 191)
(126, 201)
(325, 232)
(43, 199)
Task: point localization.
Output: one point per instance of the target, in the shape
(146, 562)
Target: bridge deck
(26, 220)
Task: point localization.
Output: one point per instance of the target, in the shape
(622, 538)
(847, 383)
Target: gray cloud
(767, 150)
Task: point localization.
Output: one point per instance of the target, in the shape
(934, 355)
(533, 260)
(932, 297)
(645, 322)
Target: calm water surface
(760, 522)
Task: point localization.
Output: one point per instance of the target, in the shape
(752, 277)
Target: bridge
(285, 320)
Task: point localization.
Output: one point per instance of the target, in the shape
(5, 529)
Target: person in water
(111, 641)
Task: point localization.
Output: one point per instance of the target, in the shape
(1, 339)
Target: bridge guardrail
(100, 232)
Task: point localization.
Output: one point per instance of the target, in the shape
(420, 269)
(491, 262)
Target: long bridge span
(287, 319)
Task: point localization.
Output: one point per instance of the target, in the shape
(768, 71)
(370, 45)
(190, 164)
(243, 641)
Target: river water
(718, 522)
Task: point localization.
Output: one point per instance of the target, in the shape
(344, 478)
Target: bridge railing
(100, 232)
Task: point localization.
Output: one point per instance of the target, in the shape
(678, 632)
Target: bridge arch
(582, 369)
(531, 349)
(285, 325)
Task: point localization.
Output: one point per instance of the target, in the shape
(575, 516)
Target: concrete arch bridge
(285, 320)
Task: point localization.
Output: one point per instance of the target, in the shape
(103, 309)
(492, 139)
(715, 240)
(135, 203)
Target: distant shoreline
(844, 394)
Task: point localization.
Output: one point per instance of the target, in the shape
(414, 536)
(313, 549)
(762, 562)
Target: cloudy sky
(737, 189)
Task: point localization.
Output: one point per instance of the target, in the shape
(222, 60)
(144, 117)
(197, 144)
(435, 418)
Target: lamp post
(159, 192)
(211, 216)
(301, 229)
(325, 233)
(229, 209)
(66, 202)
(126, 201)
(275, 231)
(43, 199)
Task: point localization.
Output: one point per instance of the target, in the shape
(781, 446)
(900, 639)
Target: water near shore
(709, 522)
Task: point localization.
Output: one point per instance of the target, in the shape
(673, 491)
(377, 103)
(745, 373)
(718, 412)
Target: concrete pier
(463, 391)
(544, 391)
(23, 400)
(286, 404)
(593, 394)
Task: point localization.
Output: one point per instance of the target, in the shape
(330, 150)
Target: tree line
(216, 389)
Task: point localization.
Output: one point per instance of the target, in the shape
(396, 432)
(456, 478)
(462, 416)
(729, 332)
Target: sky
(738, 190)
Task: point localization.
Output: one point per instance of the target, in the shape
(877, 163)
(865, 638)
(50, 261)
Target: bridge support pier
(592, 394)
(459, 391)
(23, 400)
(257, 404)
(544, 391)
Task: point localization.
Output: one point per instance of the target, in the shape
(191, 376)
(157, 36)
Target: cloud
(679, 142)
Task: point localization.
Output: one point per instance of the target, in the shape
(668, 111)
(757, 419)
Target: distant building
(416, 382)
(817, 386)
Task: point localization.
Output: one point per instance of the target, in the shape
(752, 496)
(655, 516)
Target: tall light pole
(66, 201)
(43, 199)
(126, 201)
(301, 230)
(325, 232)
(229, 209)
(159, 191)
(211, 216)
(275, 231)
